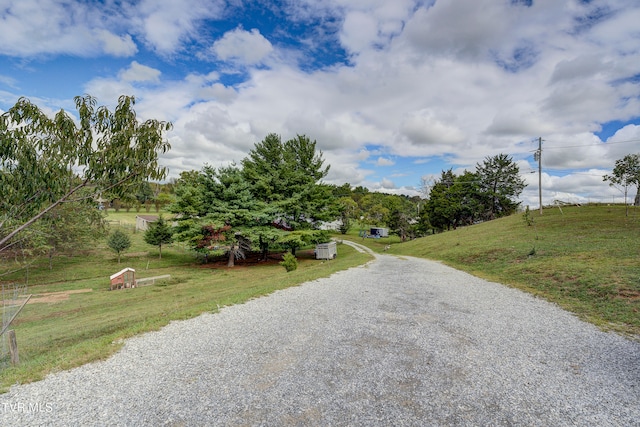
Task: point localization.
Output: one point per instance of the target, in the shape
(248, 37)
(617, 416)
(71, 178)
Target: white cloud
(30, 27)
(219, 92)
(49, 27)
(365, 24)
(359, 31)
(614, 33)
(434, 80)
(387, 184)
(580, 67)
(8, 80)
(107, 91)
(245, 47)
(579, 187)
(166, 25)
(382, 161)
(140, 73)
(467, 29)
(423, 128)
(116, 45)
(626, 134)
(411, 103)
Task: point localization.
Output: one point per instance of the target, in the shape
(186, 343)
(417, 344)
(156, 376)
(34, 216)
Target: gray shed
(379, 232)
(326, 250)
(143, 221)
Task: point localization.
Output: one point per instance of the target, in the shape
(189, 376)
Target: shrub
(528, 218)
(289, 262)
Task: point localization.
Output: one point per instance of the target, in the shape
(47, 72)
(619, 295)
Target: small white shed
(326, 250)
(379, 232)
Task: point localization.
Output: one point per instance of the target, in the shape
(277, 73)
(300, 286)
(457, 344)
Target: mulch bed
(254, 259)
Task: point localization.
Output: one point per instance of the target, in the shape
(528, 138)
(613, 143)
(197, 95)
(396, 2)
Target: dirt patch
(629, 294)
(254, 259)
(53, 297)
(134, 254)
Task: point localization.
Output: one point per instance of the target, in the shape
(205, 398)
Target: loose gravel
(400, 341)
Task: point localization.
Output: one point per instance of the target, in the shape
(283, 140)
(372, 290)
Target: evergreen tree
(159, 233)
(216, 208)
(466, 193)
(286, 177)
(500, 184)
(276, 191)
(443, 205)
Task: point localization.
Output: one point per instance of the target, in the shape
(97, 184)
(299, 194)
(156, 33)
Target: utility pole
(538, 156)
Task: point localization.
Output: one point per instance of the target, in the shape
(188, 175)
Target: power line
(578, 173)
(592, 145)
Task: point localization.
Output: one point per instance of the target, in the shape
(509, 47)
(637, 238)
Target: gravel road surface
(400, 341)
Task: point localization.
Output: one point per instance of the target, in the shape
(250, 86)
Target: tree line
(276, 197)
(53, 171)
(488, 193)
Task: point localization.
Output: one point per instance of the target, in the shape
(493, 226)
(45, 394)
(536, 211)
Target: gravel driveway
(400, 341)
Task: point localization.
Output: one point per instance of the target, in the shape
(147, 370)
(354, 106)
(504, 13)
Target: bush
(528, 218)
(289, 262)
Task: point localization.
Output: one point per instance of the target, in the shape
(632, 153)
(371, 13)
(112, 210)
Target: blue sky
(393, 92)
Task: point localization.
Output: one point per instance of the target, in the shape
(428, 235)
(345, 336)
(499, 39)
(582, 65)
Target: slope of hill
(584, 258)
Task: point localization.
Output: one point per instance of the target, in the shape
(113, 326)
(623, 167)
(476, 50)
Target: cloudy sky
(393, 92)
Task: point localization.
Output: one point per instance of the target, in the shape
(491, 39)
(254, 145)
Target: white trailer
(326, 250)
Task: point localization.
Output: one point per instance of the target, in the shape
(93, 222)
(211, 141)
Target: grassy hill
(586, 259)
(73, 318)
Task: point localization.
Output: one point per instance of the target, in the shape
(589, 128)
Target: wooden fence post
(13, 347)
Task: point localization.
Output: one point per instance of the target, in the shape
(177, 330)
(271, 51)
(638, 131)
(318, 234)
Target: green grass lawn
(92, 325)
(586, 259)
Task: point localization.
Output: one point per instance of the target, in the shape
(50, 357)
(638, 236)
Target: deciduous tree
(119, 241)
(348, 211)
(72, 227)
(46, 161)
(626, 173)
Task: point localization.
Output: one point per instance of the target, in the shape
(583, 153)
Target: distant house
(334, 225)
(143, 221)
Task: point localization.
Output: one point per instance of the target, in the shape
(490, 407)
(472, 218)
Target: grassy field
(92, 323)
(586, 259)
